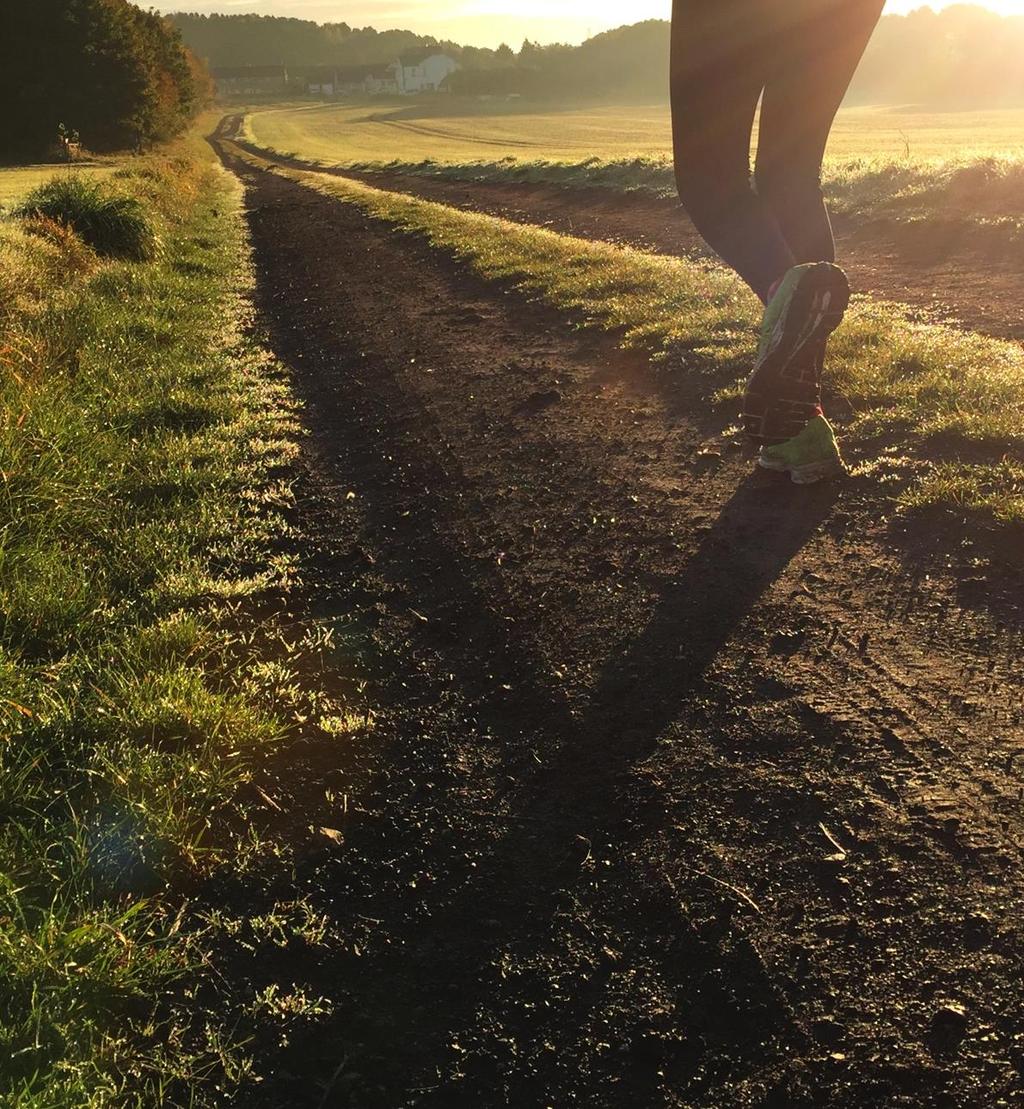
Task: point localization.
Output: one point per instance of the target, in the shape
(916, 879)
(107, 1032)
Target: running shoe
(783, 392)
(811, 456)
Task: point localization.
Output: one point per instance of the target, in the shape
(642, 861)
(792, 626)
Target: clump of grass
(995, 491)
(113, 224)
(943, 395)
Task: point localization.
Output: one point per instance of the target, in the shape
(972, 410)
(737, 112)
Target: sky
(489, 22)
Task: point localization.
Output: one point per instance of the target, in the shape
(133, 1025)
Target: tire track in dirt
(670, 810)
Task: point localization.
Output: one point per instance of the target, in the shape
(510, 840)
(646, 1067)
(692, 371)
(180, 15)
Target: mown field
(880, 161)
(473, 131)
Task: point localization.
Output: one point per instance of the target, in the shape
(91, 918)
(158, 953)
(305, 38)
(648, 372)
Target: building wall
(375, 85)
(428, 75)
(436, 68)
(250, 86)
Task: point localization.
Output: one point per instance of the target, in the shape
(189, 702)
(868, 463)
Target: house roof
(418, 57)
(236, 72)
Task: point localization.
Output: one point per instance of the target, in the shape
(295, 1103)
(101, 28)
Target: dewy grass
(987, 190)
(114, 225)
(925, 391)
(141, 441)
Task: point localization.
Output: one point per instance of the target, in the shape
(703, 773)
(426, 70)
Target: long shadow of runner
(761, 528)
(577, 795)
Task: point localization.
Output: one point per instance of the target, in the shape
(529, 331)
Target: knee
(786, 187)
(706, 195)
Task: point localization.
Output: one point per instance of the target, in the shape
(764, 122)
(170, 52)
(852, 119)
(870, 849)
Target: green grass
(113, 224)
(921, 394)
(880, 161)
(143, 440)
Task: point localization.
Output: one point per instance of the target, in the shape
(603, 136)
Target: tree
(116, 74)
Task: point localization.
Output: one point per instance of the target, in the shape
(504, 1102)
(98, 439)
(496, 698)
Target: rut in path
(686, 790)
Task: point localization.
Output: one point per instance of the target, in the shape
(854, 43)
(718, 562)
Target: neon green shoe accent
(808, 457)
(775, 311)
(832, 293)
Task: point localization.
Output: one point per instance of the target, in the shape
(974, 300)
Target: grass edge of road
(145, 444)
(931, 412)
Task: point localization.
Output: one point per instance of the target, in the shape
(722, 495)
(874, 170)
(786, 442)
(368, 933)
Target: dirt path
(689, 787)
(971, 277)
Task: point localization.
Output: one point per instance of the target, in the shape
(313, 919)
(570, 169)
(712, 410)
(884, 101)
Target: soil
(686, 787)
(956, 272)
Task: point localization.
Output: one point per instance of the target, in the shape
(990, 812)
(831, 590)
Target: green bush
(114, 225)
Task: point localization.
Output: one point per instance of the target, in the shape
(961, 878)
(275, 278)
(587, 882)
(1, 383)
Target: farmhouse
(381, 79)
(250, 80)
(323, 81)
(423, 71)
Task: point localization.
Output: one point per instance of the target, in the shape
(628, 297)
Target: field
(415, 693)
(481, 132)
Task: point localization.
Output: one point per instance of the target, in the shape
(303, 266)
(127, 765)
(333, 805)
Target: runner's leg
(820, 47)
(721, 52)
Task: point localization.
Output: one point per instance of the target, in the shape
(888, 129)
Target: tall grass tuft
(114, 225)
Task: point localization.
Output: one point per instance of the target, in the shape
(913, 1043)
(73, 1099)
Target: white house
(412, 73)
(422, 71)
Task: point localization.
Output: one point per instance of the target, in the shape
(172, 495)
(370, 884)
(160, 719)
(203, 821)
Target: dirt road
(688, 787)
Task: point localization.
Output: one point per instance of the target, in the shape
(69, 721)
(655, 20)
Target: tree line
(963, 56)
(103, 70)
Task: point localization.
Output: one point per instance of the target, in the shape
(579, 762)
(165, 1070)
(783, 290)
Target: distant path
(971, 279)
(687, 787)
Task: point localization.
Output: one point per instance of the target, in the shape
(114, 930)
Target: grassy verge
(143, 440)
(936, 412)
(987, 191)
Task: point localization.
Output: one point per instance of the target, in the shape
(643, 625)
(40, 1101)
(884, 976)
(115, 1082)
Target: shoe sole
(814, 472)
(816, 308)
(807, 474)
(819, 303)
